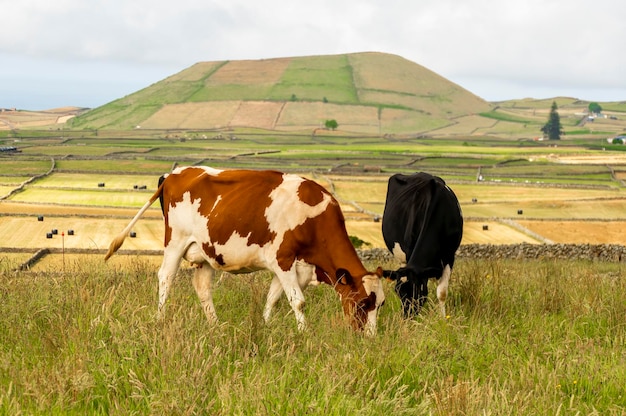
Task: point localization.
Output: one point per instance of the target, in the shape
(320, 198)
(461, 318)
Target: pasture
(521, 337)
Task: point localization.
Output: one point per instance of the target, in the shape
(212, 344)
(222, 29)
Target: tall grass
(521, 337)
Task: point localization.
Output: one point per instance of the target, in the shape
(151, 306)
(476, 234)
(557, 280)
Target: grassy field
(79, 336)
(520, 338)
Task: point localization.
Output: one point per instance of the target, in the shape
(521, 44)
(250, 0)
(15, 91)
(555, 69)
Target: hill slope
(370, 93)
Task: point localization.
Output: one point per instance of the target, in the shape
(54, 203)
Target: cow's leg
(289, 282)
(276, 289)
(202, 280)
(442, 288)
(171, 261)
(409, 294)
(422, 293)
(413, 294)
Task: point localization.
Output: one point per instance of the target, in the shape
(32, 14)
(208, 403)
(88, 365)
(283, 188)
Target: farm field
(532, 194)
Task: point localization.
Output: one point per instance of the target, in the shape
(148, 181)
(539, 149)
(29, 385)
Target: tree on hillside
(595, 108)
(553, 128)
(331, 124)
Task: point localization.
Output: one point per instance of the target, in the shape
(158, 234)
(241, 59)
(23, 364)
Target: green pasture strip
(87, 181)
(78, 150)
(21, 166)
(506, 116)
(99, 117)
(544, 104)
(230, 92)
(84, 340)
(115, 143)
(308, 78)
(192, 153)
(133, 118)
(82, 197)
(115, 115)
(164, 92)
(12, 180)
(615, 106)
(133, 166)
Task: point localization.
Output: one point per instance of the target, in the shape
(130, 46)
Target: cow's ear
(343, 277)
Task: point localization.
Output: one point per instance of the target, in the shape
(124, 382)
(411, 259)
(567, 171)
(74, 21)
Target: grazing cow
(422, 227)
(242, 221)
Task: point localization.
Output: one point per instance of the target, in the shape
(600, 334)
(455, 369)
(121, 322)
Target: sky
(87, 53)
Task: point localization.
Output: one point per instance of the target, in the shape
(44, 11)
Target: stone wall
(599, 252)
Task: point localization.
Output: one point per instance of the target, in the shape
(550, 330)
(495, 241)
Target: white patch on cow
(371, 283)
(211, 171)
(208, 170)
(194, 254)
(286, 195)
(442, 288)
(217, 201)
(186, 221)
(239, 255)
(399, 254)
(306, 274)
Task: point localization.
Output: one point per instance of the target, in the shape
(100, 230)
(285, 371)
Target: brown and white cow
(243, 220)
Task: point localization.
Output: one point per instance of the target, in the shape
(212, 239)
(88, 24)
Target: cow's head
(360, 298)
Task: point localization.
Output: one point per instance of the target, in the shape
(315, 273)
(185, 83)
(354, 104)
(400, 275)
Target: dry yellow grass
(71, 261)
(248, 72)
(193, 115)
(496, 233)
(580, 232)
(195, 72)
(262, 114)
(89, 233)
(31, 119)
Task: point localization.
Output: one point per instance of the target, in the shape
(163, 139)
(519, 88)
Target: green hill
(369, 93)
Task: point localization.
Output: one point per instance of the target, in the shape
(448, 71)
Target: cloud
(493, 48)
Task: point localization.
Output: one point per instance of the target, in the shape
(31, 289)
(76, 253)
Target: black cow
(422, 227)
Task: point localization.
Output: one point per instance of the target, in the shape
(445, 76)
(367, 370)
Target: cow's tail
(119, 239)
